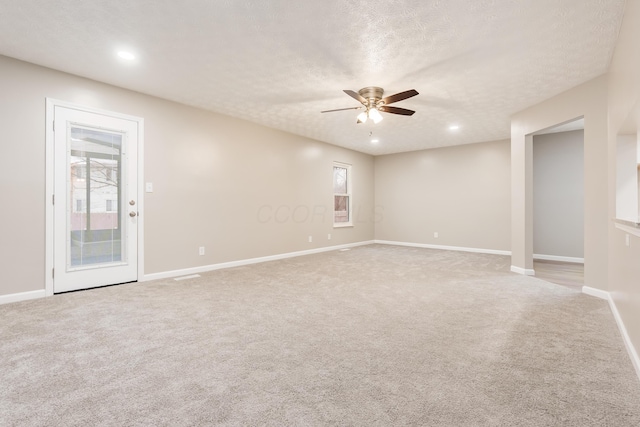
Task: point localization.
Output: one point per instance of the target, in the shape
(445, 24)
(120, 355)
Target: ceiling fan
(373, 103)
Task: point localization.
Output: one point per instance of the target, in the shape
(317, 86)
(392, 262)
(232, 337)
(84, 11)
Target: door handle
(132, 214)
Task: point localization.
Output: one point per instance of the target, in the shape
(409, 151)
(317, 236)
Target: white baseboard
(631, 350)
(446, 248)
(574, 260)
(239, 263)
(523, 271)
(22, 296)
(594, 292)
(633, 354)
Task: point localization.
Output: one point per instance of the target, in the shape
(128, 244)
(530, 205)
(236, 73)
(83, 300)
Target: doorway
(558, 204)
(94, 223)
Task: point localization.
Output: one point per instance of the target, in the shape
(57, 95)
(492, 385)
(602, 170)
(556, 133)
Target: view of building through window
(94, 196)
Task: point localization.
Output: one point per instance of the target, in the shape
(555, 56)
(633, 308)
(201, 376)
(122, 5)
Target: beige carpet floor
(374, 336)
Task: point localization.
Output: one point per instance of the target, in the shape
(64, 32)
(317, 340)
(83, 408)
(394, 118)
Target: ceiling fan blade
(341, 109)
(356, 96)
(399, 96)
(396, 110)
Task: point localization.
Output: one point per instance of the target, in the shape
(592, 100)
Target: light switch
(148, 187)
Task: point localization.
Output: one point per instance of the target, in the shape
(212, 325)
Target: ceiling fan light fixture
(375, 115)
(362, 117)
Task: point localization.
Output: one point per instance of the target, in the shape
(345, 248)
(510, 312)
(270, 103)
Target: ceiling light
(375, 141)
(454, 127)
(375, 115)
(362, 117)
(126, 55)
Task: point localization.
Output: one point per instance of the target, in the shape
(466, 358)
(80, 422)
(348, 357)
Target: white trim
(571, 259)
(594, 292)
(628, 229)
(22, 296)
(51, 103)
(48, 203)
(523, 271)
(633, 354)
(141, 195)
(342, 225)
(239, 263)
(446, 248)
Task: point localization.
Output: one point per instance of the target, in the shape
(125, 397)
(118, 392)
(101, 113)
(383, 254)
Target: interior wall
(460, 192)
(606, 103)
(624, 98)
(558, 194)
(588, 100)
(237, 188)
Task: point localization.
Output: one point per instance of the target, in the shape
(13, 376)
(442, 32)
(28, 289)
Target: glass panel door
(95, 212)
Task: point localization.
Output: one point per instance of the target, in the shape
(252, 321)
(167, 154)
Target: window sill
(628, 226)
(345, 225)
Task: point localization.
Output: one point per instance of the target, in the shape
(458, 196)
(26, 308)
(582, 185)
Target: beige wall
(461, 192)
(588, 100)
(609, 104)
(558, 194)
(239, 189)
(624, 102)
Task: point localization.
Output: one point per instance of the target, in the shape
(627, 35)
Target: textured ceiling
(280, 62)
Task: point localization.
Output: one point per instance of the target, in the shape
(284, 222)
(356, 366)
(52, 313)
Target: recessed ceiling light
(126, 55)
(375, 141)
(454, 127)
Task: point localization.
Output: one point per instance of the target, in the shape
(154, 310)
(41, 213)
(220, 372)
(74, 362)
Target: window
(80, 205)
(341, 195)
(111, 205)
(628, 178)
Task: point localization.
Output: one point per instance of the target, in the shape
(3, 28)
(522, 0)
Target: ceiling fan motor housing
(372, 94)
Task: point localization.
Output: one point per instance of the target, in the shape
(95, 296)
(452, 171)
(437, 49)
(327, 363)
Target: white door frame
(49, 184)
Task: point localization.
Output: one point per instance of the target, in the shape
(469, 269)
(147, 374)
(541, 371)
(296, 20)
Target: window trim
(349, 194)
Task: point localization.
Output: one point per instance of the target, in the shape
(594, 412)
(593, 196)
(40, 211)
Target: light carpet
(375, 336)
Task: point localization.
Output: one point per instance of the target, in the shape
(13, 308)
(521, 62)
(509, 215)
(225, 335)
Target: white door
(95, 199)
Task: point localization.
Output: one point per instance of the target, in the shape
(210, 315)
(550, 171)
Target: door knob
(132, 214)
(132, 202)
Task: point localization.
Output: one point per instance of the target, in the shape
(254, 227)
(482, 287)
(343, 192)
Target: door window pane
(94, 184)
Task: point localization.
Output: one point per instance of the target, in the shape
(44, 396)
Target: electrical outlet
(435, 234)
(329, 236)
(201, 250)
(310, 239)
